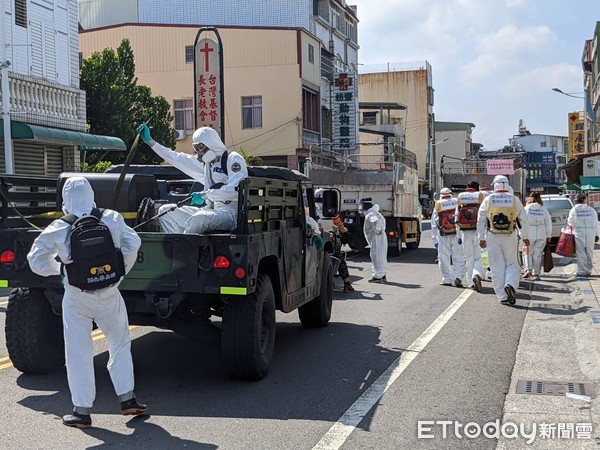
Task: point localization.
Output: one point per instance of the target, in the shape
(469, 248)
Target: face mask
(209, 156)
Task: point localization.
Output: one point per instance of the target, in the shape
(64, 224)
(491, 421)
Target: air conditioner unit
(180, 135)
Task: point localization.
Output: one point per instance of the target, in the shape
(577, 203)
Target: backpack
(446, 218)
(446, 222)
(502, 214)
(467, 216)
(468, 208)
(97, 263)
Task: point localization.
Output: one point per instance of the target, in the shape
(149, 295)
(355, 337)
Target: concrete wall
(410, 88)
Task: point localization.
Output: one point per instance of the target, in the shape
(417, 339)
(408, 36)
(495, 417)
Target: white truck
(386, 176)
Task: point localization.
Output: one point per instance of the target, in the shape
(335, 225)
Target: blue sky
(493, 61)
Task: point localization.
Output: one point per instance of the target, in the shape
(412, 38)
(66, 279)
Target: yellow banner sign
(576, 134)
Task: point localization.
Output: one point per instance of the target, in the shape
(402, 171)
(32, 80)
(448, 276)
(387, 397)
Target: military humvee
(181, 281)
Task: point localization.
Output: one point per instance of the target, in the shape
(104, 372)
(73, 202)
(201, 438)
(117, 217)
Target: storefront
(39, 150)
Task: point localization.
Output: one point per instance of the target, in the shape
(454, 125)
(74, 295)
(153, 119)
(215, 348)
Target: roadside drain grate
(552, 305)
(555, 387)
(555, 289)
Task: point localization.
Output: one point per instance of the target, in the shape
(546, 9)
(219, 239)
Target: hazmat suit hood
(78, 196)
(210, 138)
(374, 208)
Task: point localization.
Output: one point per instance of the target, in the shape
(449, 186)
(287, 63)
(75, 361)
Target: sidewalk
(560, 342)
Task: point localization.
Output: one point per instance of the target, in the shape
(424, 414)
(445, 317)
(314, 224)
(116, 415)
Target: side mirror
(330, 204)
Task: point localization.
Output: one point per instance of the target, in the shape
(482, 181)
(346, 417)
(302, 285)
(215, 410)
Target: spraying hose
(172, 208)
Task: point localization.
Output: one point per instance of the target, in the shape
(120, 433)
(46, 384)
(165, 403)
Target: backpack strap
(71, 218)
(224, 162)
(97, 213)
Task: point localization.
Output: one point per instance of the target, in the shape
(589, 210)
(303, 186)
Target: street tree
(116, 104)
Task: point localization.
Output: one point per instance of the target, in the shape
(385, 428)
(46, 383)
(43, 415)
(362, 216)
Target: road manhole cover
(555, 387)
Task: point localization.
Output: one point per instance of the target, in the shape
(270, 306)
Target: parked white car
(558, 206)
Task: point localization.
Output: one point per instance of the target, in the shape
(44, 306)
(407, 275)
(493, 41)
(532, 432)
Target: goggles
(199, 148)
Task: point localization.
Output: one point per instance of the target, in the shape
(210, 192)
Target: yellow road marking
(96, 335)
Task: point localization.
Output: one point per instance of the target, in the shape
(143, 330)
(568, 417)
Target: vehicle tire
(395, 249)
(317, 312)
(414, 245)
(248, 332)
(34, 333)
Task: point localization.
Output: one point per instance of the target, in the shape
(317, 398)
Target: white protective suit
(502, 248)
(451, 258)
(540, 229)
(374, 230)
(220, 212)
(470, 244)
(81, 308)
(584, 220)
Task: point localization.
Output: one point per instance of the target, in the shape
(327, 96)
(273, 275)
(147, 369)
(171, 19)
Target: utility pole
(5, 90)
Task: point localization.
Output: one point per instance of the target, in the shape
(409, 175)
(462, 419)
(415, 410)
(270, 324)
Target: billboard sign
(576, 135)
(345, 102)
(500, 166)
(208, 83)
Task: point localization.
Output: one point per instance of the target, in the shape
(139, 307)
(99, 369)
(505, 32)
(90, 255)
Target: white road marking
(339, 432)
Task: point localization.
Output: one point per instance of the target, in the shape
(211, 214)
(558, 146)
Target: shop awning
(41, 134)
(590, 183)
(570, 187)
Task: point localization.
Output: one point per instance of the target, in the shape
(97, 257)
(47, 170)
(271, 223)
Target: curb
(561, 345)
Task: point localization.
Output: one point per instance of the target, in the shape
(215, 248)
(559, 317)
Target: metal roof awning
(30, 132)
(381, 105)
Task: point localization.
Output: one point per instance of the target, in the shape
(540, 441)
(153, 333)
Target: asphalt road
(393, 355)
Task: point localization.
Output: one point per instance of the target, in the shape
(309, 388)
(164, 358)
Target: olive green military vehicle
(180, 282)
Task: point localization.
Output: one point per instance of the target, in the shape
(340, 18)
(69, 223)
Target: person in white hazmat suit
(584, 220)
(374, 230)
(499, 216)
(80, 309)
(466, 220)
(219, 171)
(451, 258)
(540, 233)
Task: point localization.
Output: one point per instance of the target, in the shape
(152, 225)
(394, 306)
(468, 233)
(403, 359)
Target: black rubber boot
(131, 407)
(77, 420)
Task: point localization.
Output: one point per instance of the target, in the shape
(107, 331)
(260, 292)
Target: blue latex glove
(197, 199)
(318, 242)
(144, 132)
(436, 245)
(459, 241)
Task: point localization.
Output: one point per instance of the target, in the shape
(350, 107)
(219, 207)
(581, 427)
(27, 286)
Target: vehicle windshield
(555, 204)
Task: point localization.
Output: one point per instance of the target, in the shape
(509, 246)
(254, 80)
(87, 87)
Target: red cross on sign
(206, 50)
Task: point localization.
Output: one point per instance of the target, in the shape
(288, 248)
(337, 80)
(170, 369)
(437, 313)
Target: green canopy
(86, 141)
(589, 183)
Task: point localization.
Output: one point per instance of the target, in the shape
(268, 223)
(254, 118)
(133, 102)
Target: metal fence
(363, 156)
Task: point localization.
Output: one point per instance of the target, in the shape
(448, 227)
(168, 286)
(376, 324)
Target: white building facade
(45, 108)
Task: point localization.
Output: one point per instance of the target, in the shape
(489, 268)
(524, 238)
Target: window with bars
(184, 114)
(251, 112)
(21, 13)
(310, 110)
(189, 54)
(311, 53)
